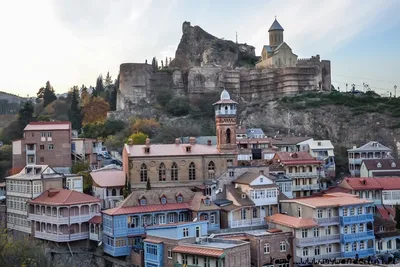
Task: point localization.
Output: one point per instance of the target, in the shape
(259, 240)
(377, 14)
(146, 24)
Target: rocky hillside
(197, 48)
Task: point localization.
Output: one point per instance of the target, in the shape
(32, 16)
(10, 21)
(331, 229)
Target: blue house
(160, 241)
(125, 226)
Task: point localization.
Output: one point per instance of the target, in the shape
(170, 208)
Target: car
(116, 162)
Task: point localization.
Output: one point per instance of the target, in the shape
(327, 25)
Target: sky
(71, 42)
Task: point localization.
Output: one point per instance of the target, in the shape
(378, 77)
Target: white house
(108, 186)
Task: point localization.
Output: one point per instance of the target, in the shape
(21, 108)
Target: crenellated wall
(138, 81)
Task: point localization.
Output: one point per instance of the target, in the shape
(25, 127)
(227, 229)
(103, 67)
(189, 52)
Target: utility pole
(346, 87)
(236, 38)
(395, 87)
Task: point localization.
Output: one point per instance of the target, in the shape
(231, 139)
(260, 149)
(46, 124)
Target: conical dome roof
(275, 26)
(225, 95)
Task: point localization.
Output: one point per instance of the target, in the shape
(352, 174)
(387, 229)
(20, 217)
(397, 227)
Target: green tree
(47, 93)
(163, 96)
(11, 132)
(113, 94)
(83, 168)
(25, 114)
(84, 95)
(148, 185)
(99, 89)
(5, 160)
(178, 106)
(75, 116)
(138, 138)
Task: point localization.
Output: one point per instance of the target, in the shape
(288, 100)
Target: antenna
(236, 38)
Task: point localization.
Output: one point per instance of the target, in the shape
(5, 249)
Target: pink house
(62, 215)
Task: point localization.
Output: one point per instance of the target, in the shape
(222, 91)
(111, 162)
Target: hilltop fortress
(204, 63)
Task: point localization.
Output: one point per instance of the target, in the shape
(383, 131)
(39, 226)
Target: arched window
(174, 172)
(192, 171)
(162, 172)
(163, 199)
(143, 173)
(142, 201)
(113, 192)
(121, 192)
(228, 136)
(211, 170)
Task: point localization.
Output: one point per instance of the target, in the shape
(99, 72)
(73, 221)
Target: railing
(186, 265)
(151, 257)
(330, 220)
(61, 220)
(61, 237)
(363, 253)
(30, 152)
(356, 218)
(358, 236)
(225, 112)
(251, 222)
(304, 174)
(116, 251)
(213, 226)
(95, 237)
(305, 187)
(318, 240)
(334, 255)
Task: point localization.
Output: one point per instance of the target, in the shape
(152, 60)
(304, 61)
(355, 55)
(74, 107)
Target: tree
(113, 94)
(47, 93)
(148, 185)
(147, 126)
(95, 111)
(153, 64)
(138, 138)
(75, 116)
(99, 89)
(178, 106)
(85, 97)
(5, 160)
(25, 114)
(80, 166)
(166, 62)
(108, 82)
(163, 96)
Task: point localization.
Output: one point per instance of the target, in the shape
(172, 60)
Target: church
(191, 165)
(277, 54)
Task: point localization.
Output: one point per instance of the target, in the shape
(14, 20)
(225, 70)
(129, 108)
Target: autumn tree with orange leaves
(95, 110)
(147, 126)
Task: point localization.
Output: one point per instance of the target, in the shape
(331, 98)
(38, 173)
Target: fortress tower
(275, 34)
(225, 119)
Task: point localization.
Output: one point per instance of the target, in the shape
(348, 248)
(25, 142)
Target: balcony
(356, 219)
(358, 236)
(61, 237)
(184, 265)
(355, 161)
(95, 237)
(243, 223)
(61, 220)
(363, 253)
(305, 174)
(225, 112)
(305, 187)
(116, 252)
(151, 257)
(316, 258)
(213, 227)
(30, 151)
(312, 241)
(328, 221)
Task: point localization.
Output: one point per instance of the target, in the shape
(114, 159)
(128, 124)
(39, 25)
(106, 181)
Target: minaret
(225, 120)
(275, 34)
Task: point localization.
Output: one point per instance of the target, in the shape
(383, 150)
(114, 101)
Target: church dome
(225, 95)
(275, 26)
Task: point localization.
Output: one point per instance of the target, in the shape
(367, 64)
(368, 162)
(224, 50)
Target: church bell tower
(225, 120)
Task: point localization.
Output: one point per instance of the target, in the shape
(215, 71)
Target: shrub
(178, 106)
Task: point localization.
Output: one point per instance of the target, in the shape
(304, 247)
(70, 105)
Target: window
(346, 229)
(92, 208)
(381, 228)
(207, 201)
(347, 247)
(184, 259)
(169, 253)
(328, 230)
(229, 162)
(319, 212)
(171, 218)
(195, 260)
(389, 244)
(41, 147)
(231, 174)
(305, 252)
(354, 246)
(48, 134)
(345, 212)
(299, 211)
(266, 248)
(161, 219)
(316, 232)
(304, 233)
(143, 173)
(207, 262)
(328, 249)
(317, 251)
(353, 229)
(31, 159)
(185, 232)
(362, 245)
(212, 219)
(282, 246)
(361, 228)
(198, 231)
(142, 201)
(113, 192)
(41, 159)
(211, 170)
(359, 210)
(43, 134)
(188, 149)
(50, 146)
(261, 179)
(163, 200)
(228, 136)
(243, 214)
(151, 249)
(179, 199)
(352, 211)
(329, 213)
(174, 172)
(162, 172)
(192, 171)
(254, 212)
(133, 221)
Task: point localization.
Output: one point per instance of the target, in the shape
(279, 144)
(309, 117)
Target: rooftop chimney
(177, 141)
(52, 193)
(192, 141)
(208, 142)
(147, 141)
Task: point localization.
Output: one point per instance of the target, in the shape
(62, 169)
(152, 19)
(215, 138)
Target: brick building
(44, 143)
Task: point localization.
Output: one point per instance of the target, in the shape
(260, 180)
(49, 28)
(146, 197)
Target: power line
(361, 85)
(385, 81)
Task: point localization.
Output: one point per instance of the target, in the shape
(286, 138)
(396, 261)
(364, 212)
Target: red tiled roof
(336, 189)
(389, 183)
(96, 220)
(209, 252)
(373, 183)
(49, 125)
(109, 178)
(291, 221)
(54, 197)
(292, 158)
(386, 212)
(330, 200)
(153, 240)
(146, 208)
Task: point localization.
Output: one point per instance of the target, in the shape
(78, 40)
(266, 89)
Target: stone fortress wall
(138, 81)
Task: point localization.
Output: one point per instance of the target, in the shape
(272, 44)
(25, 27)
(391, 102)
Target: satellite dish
(195, 219)
(100, 244)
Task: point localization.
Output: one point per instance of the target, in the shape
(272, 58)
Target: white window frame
(267, 248)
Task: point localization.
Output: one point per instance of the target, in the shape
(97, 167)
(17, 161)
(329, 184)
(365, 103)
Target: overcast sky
(70, 42)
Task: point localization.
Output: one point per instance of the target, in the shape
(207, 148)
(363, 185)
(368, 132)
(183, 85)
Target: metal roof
(275, 26)
(371, 146)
